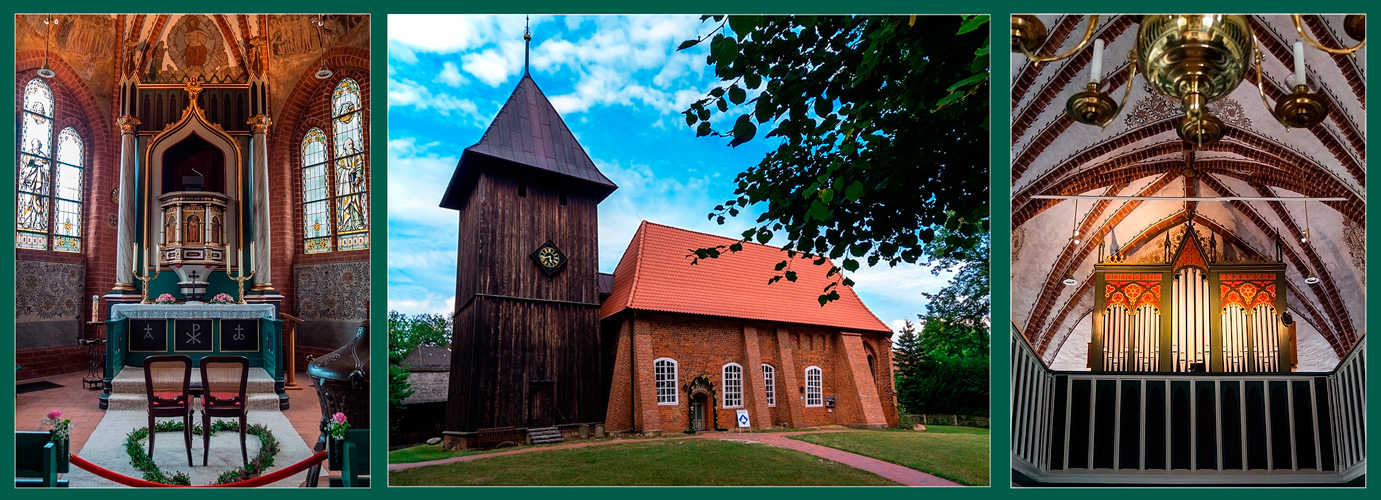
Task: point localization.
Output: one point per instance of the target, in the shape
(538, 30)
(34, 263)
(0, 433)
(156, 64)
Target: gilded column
(124, 278)
(263, 279)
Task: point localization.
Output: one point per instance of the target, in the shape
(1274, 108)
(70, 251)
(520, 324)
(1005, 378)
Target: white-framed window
(769, 379)
(733, 385)
(813, 389)
(665, 369)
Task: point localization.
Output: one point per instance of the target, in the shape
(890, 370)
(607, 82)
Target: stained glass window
(351, 174)
(35, 220)
(335, 178)
(316, 215)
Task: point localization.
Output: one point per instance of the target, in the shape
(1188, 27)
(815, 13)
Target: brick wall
(704, 345)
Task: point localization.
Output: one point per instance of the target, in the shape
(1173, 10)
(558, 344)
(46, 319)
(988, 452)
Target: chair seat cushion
(223, 399)
(168, 399)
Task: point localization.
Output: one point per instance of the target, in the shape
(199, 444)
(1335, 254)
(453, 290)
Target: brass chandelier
(1194, 60)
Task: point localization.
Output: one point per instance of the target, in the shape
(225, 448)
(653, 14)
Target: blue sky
(620, 85)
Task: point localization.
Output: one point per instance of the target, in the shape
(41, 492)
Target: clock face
(549, 258)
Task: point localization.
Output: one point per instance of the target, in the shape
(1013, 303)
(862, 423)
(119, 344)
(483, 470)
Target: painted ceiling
(1140, 154)
(163, 48)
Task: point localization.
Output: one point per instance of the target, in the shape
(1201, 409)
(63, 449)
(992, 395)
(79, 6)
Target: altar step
(127, 390)
(544, 435)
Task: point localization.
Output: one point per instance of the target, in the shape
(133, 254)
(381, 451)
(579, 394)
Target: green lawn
(423, 453)
(681, 462)
(959, 454)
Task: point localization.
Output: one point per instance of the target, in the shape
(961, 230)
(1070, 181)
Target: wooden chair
(354, 468)
(36, 460)
(223, 383)
(168, 383)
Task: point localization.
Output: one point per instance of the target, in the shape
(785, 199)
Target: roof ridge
(799, 254)
(637, 263)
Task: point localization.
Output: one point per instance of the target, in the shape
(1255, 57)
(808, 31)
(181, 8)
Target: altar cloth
(191, 311)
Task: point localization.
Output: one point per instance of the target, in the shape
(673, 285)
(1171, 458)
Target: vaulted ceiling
(1139, 153)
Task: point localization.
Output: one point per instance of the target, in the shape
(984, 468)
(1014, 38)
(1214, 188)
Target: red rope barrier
(271, 477)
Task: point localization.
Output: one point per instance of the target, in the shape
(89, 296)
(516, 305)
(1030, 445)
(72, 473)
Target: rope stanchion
(264, 479)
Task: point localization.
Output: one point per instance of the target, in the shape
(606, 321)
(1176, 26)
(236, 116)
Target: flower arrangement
(166, 298)
(222, 298)
(60, 427)
(337, 426)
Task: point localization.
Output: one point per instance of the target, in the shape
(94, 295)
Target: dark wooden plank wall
(514, 324)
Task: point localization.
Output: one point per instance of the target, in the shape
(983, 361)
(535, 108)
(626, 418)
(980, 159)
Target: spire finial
(527, 40)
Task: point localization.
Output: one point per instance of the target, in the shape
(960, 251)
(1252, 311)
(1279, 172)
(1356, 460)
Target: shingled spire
(527, 133)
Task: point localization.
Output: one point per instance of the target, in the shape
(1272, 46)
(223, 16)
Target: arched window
(665, 374)
(315, 213)
(352, 179)
(335, 178)
(733, 385)
(813, 389)
(36, 221)
(769, 379)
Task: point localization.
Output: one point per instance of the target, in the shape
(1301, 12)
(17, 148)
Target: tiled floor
(80, 405)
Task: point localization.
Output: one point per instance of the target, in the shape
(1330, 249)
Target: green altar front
(135, 332)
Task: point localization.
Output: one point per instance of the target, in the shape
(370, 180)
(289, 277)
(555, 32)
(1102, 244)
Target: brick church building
(543, 342)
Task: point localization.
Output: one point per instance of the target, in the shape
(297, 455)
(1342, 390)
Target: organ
(1190, 311)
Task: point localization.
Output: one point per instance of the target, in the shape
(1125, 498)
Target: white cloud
(407, 93)
(450, 75)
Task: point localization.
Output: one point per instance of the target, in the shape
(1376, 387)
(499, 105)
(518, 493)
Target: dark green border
(1001, 226)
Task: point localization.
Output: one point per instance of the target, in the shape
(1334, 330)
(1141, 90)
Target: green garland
(139, 457)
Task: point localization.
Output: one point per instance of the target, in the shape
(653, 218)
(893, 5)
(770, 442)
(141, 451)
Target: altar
(137, 331)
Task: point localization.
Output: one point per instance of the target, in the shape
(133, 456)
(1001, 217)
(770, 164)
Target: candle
(252, 260)
(147, 262)
(1299, 63)
(157, 256)
(1097, 73)
(95, 308)
(134, 258)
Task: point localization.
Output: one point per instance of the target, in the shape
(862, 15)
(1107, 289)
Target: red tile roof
(655, 274)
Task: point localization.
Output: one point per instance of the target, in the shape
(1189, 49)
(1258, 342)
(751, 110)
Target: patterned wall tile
(332, 291)
(49, 290)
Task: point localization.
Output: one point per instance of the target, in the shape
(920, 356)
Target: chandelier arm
(1261, 85)
(1349, 51)
(1088, 36)
(1127, 88)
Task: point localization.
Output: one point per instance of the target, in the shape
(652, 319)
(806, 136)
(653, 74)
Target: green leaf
(823, 106)
(826, 195)
(763, 109)
(850, 264)
(737, 95)
(780, 265)
(764, 236)
(703, 130)
(723, 105)
(687, 44)
(744, 130)
(736, 247)
(854, 191)
(691, 118)
(967, 81)
(819, 211)
(790, 275)
(742, 25)
(972, 23)
(752, 80)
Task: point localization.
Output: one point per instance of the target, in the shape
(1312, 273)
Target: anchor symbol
(194, 336)
(238, 335)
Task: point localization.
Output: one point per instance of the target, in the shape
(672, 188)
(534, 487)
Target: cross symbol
(194, 336)
(193, 275)
(238, 335)
(148, 332)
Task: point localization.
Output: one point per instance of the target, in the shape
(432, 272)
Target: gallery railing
(1187, 428)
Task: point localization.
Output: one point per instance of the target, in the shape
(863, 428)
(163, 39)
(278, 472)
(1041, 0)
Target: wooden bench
(499, 435)
(36, 460)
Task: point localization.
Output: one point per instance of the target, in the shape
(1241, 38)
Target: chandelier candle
(1097, 73)
(1299, 63)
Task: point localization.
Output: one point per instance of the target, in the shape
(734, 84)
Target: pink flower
(55, 414)
(338, 418)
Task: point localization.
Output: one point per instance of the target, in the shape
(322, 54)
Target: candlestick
(1097, 74)
(1299, 63)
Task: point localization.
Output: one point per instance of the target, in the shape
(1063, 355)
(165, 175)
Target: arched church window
(49, 192)
(733, 385)
(665, 375)
(316, 221)
(813, 387)
(351, 177)
(769, 379)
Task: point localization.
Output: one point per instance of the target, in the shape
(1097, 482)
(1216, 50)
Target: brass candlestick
(239, 283)
(146, 279)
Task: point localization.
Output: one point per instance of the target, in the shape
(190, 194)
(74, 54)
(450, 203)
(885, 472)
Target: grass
(680, 462)
(423, 453)
(959, 454)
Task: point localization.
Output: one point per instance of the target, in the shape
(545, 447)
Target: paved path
(894, 472)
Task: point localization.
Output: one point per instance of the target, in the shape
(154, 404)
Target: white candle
(134, 258)
(95, 308)
(157, 256)
(1097, 74)
(147, 262)
(1299, 63)
(251, 254)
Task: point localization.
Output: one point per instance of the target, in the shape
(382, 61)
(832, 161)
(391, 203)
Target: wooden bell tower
(525, 347)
